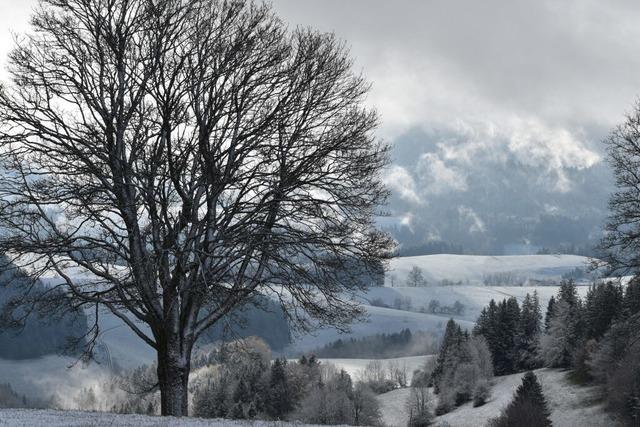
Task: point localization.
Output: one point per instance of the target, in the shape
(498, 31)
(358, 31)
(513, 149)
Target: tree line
(597, 337)
(380, 346)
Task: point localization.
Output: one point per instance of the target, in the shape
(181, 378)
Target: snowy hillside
(387, 319)
(570, 405)
(474, 298)
(380, 320)
(474, 269)
(123, 348)
(49, 418)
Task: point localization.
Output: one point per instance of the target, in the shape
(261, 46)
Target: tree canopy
(183, 156)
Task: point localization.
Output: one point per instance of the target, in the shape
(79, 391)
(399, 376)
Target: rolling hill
(477, 269)
(570, 405)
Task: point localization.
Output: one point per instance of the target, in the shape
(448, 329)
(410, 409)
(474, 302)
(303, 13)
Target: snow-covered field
(570, 405)
(49, 418)
(473, 269)
(470, 270)
(125, 349)
(37, 378)
(355, 367)
(474, 298)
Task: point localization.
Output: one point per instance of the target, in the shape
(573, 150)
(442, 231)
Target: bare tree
(621, 244)
(185, 156)
(415, 278)
(418, 407)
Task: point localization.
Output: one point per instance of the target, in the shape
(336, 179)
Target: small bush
(481, 394)
(420, 414)
(421, 378)
(381, 386)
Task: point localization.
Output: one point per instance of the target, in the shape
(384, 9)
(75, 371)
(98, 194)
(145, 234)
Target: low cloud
(402, 184)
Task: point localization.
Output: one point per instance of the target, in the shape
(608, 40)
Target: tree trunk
(174, 365)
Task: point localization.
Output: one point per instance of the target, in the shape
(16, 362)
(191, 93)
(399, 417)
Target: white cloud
(524, 142)
(401, 182)
(472, 219)
(437, 177)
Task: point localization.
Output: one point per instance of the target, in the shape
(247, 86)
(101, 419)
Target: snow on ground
(393, 407)
(570, 405)
(125, 349)
(355, 367)
(474, 268)
(471, 270)
(474, 298)
(50, 418)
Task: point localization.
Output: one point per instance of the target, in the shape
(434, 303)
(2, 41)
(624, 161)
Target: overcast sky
(466, 88)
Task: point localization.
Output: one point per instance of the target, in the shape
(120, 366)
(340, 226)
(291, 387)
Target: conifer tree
(487, 325)
(279, 401)
(506, 330)
(528, 408)
(549, 314)
(603, 306)
(530, 330)
(566, 327)
(560, 342)
(569, 293)
(241, 396)
(450, 343)
(632, 297)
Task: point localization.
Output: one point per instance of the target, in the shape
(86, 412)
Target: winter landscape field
(287, 213)
(69, 377)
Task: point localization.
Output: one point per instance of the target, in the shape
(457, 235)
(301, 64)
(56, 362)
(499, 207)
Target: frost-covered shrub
(418, 408)
(481, 393)
(615, 364)
(336, 401)
(462, 363)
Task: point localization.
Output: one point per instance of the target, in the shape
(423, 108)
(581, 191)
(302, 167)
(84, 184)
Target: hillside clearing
(570, 405)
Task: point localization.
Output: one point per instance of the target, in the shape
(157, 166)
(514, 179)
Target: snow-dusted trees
(613, 359)
(512, 333)
(463, 364)
(499, 325)
(418, 407)
(556, 346)
(335, 401)
(279, 401)
(366, 408)
(549, 313)
(528, 408)
(603, 306)
(183, 156)
(530, 330)
(559, 344)
(416, 278)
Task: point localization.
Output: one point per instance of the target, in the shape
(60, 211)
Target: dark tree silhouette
(185, 156)
(528, 408)
(621, 244)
